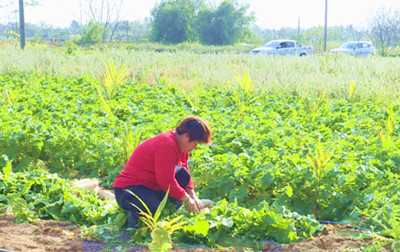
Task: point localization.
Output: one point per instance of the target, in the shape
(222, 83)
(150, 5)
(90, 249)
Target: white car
(359, 48)
(283, 47)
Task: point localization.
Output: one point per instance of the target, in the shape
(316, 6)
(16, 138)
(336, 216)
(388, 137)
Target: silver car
(359, 48)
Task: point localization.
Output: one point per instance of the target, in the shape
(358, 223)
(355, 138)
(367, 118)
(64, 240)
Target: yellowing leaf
(352, 88)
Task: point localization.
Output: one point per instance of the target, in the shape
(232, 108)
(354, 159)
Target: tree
(225, 25)
(74, 26)
(105, 13)
(133, 31)
(92, 34)
(385, 28)
(315, 36)
(173, 21)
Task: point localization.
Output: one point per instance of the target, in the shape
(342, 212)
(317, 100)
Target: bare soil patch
(337, 238)
(49, 235)
(39, 236)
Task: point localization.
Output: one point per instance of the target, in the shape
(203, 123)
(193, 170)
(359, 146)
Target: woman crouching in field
(159, 163)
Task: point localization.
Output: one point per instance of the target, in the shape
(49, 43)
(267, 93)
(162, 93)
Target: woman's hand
(191, 203)
(198, 203)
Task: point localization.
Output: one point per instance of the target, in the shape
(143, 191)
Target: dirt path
(48, 236)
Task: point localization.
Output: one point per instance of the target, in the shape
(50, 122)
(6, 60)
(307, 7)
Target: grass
(313, 76)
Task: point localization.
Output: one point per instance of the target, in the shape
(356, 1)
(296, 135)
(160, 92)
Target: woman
(159, 163)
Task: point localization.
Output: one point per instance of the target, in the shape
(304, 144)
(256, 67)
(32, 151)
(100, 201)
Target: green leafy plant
(8, 96)
(388, 218)
(112, 79)
(228, 223)
(378, 246)
(5, 175)
(129, 142)
(313, 106)
(352, 88)
(189, 100)
(194, 96)
(244, 94)
(12, 202)
(92, 34)
(161, 231)
(318, 159)
(35, 79)
(39, 194)
(385, 135)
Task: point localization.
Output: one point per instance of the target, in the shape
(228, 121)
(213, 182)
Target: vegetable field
(295, 140)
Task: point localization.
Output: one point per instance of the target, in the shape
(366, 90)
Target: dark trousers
(150, 197)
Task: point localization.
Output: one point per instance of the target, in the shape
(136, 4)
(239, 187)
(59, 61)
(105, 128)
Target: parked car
(359, 48)
(283, 47)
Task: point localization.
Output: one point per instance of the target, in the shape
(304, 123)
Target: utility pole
(21, 24)
(298, 30)
(326, 23)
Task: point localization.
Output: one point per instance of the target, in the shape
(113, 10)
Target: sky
(272, 14)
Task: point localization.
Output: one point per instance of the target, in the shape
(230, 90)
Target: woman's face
(187, 146)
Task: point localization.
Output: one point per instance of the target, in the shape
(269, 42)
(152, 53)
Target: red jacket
(152, 164)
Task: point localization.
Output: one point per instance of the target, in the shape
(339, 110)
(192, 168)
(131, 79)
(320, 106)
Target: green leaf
(142, 202)
(7, 171)
(161, 206)
(200, 227)
(289, 191)
(227, 222)
(161, 241)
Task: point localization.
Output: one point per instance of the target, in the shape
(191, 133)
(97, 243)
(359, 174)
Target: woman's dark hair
(197, 128)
